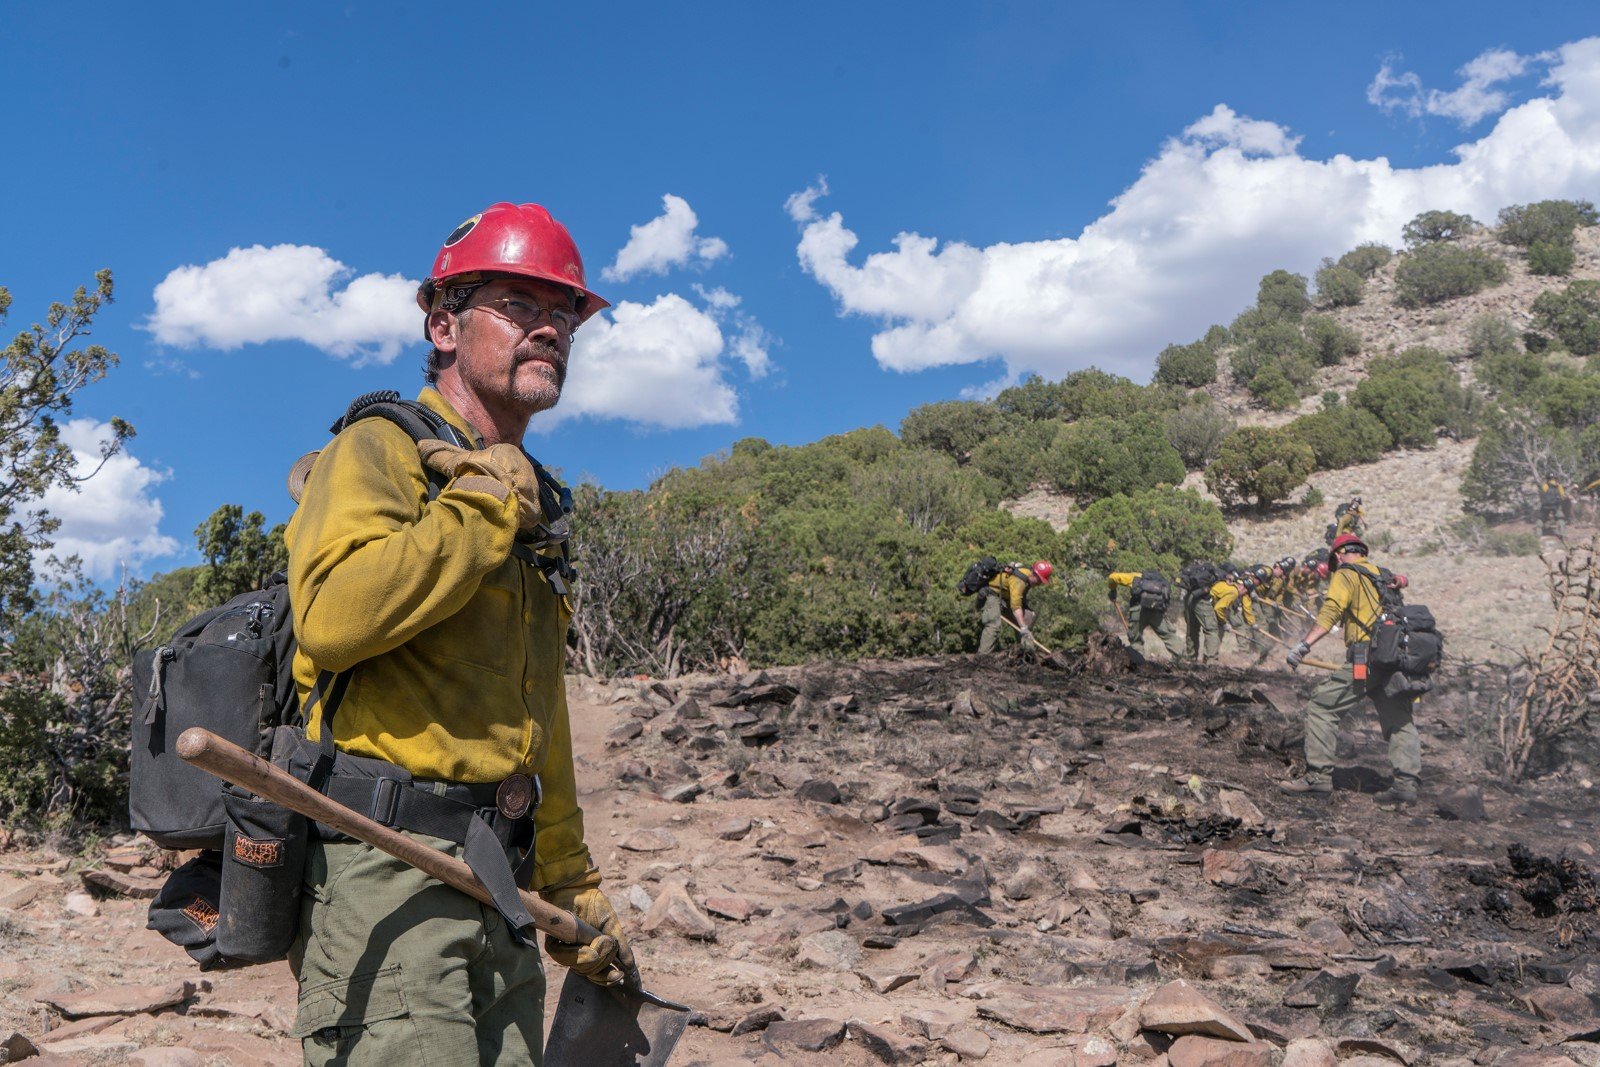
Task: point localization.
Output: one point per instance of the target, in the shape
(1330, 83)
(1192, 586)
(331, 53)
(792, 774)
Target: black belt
(389, 795)
(414, 805)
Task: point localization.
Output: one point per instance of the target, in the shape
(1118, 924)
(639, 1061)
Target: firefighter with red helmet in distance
(1005, 598)
(435, 574)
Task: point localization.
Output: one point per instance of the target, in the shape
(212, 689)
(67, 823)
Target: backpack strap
(1378, 584)
(419, 423)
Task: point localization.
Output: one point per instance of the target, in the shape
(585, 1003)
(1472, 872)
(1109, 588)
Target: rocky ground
(951, 860)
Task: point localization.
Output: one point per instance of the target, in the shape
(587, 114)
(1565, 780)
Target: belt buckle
(514, 798)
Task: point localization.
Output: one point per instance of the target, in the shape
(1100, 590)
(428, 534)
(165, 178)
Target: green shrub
(1196, 430)
(1440, 271)
(1338, 286)
(1157, 529)
(1571, 316)
(1216, 336)
(1478, 536)
(1033, 398)
(1548, 222)
(1261, 464)
(1087, 393)
(1510, 374)
(1313, 499)
(927, 489)
(1272, 389)
(1193, 365)
(1415, 394)
(1342, 437)
(1568, 400)
(1282, 295)
(1079, 395)
(1269, 342)
(1366, 259)
(1551, 259)
(1433, 226)
(28, 714)
(1490, 335)
(954, 427)
(1332, 343)
(1100, 457)
(1015, 459)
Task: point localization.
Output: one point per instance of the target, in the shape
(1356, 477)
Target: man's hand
(506, 464)
(607, 960)
(1298, 653)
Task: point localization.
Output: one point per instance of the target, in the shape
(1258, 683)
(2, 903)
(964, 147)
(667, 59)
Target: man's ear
(442, 327)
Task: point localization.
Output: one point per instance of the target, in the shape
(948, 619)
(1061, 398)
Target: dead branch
(1547, 691)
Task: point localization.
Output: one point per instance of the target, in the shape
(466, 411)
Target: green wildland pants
(1553, 523)
(1200, 618)
(397, 968)
(991, 613)
(1142, 619)
(1340, 694)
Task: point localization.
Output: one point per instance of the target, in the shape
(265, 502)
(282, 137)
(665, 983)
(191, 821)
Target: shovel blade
(600, 1027)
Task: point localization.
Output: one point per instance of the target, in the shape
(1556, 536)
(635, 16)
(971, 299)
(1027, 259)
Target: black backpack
(1201, 574)
(229, 670)
(1550, 496)
(978, 576)
(1150, 592)
(1405, 646)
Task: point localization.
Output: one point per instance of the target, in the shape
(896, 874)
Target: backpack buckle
(385, 799)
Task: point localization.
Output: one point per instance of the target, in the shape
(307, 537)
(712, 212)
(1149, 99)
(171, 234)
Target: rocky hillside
(1488, 603)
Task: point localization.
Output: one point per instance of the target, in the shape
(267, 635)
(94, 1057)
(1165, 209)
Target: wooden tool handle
(233, 764)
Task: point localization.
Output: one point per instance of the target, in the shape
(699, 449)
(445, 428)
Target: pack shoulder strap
(1377, 591)
(419, 423)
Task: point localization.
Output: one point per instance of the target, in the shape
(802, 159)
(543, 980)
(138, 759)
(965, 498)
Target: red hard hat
(1042, 570)
(1344, 541)
(521, 239)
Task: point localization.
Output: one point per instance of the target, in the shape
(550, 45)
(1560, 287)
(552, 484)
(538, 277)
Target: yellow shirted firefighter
(1149, 595)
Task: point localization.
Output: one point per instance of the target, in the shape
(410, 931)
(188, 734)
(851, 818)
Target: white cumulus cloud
(665, 242)
(1223, 203)
(113, 518)
(287, 293)
(658, 364)
(1474, 100)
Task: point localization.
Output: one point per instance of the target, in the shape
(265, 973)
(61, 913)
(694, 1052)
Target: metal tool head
(598, 1026)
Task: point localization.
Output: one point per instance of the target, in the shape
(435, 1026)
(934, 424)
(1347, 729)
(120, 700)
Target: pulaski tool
(594, 1026)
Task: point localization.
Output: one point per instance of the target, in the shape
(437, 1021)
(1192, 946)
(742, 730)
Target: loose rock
(648, 841)
(887, 1045)
(830, 950)
(803, 1035)
(674, 912)
(1178, 1008)
(1193, 1050)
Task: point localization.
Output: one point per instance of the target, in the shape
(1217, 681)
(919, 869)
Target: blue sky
(1009, 188)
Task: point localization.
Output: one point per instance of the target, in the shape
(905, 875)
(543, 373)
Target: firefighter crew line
(1392, 649)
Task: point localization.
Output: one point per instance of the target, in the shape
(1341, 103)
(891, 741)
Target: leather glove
(1298, 653)
(505, 463)
(607, 960)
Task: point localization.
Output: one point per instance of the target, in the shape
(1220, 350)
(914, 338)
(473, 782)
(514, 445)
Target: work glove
(504, 463)
(608, 959)
(1298, 653)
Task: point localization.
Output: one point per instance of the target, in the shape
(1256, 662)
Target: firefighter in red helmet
(435, 573)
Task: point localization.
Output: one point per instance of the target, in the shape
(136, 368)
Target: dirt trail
(953, 854)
